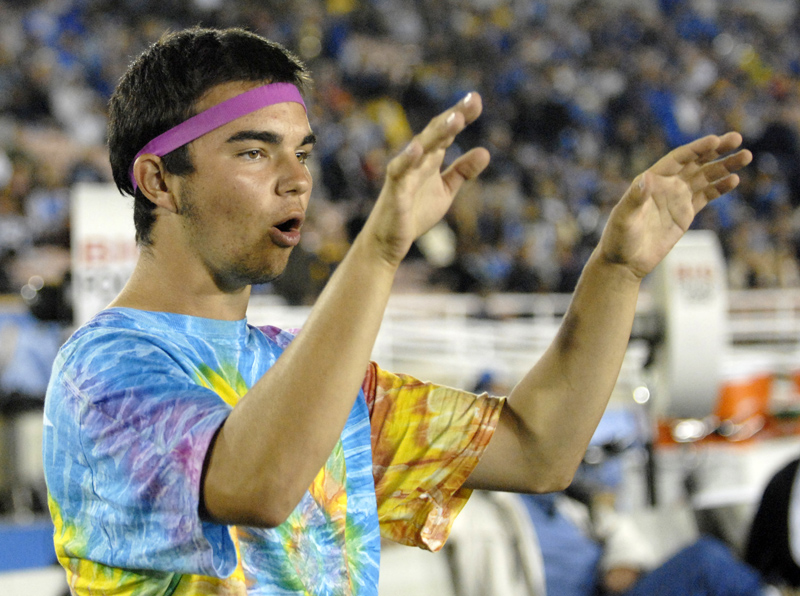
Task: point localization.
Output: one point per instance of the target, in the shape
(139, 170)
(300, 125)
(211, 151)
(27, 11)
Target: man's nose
(294, 177)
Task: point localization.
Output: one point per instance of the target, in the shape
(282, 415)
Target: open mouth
(287, 232)
(290, 225)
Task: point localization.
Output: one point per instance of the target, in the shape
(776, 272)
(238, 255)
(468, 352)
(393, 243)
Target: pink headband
(216, 116)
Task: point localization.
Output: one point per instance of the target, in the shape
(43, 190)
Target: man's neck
(165, 286)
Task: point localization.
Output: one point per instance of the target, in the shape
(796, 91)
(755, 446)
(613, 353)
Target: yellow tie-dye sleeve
(426, 440)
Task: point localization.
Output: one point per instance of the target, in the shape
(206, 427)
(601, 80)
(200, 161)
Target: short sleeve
(426, 440)
(127, 428)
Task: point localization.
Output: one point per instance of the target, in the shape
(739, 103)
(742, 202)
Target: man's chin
(264, 279)
(236, 281)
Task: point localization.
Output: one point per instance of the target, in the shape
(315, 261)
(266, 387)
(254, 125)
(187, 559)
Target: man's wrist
(612, 270)
(369, 250)
(374, 247)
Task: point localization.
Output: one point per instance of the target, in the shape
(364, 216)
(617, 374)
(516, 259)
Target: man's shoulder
(138, 336)
(118, 336)
(113, 326)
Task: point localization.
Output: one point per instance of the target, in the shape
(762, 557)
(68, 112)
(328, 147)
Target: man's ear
(153, 180)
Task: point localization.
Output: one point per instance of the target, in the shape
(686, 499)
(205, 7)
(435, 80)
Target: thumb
(638, 190)
(466, 167)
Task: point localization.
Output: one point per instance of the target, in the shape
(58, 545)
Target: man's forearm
(568, 389)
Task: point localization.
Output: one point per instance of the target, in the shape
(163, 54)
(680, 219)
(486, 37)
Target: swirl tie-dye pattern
(134, 401)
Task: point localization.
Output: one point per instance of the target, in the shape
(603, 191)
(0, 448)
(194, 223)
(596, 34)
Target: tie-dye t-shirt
(135, 400)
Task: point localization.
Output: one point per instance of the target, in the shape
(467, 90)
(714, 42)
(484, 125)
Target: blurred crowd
(579, 96)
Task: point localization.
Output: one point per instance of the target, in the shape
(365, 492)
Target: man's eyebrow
(270, 138)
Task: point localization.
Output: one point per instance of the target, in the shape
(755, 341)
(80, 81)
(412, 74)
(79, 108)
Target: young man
(189, 453)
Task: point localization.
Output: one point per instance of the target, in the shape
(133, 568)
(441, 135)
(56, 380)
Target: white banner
(104, 250)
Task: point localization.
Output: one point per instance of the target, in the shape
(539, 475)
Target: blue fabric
(24, 546)
(706, 568)
(570, 557)
(571, 562)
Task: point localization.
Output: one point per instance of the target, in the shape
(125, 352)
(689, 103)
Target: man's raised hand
(417, 193)
(662, 202)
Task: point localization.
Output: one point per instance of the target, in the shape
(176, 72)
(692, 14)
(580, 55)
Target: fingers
(438, 135)
(720, 168)
(466, 167)
(716, 178)
(706, 149)
(720, 187)
(700, 165)
(405, 161)
(442, 130)
(710, 174)
(686, 159)
(694, 171)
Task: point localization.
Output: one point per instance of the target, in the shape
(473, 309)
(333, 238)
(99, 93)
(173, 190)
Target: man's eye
(302, 156)
(252, 154)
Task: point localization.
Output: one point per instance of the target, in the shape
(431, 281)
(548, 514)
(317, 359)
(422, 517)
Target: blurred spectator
(579, 95)
(596, 550)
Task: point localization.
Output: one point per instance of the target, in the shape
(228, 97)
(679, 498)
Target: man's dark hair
(161, 87)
